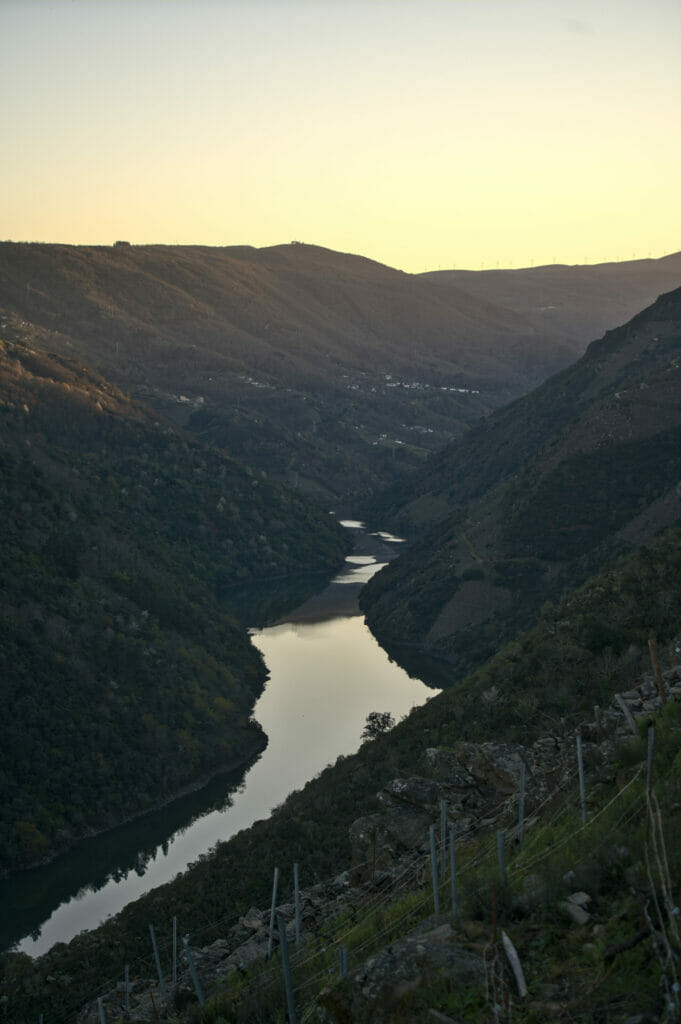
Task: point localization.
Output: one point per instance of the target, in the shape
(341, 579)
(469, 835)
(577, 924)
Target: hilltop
(328, 370)
(579, 302)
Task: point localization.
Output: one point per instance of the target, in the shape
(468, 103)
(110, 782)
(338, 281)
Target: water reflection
(326, 674)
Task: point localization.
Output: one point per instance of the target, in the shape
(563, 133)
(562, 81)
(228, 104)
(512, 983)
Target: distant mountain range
(538, 496)
(330, 371)
(578, 302)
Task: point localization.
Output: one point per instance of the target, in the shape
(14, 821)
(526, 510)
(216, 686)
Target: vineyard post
(521, 805)
(270, 941)
(580, 768)
(452, 872)
(296, 890)
(443, 838)
(192, 971)
(433, 869)
(652, 647)
(286, 969)
(651, 754)
(174, 951)
(161, 982)
(501, 858)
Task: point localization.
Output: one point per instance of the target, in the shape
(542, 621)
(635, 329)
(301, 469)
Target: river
(326, 673)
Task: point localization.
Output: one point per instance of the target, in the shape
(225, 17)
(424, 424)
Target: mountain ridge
(328, 370)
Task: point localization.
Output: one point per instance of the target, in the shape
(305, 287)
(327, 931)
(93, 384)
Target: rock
(379, 840)
(445, 767)
(424, 793)
(252, 919)
(378, 990)
(579, 899)
(247, 955)
(495, 766)
(574, 912)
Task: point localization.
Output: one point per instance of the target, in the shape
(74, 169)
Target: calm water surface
(326, 674)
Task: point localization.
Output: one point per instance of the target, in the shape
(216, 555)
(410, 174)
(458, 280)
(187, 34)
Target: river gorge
(326, 674)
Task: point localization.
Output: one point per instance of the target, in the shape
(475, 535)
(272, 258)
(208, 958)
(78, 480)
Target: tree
(376, 724)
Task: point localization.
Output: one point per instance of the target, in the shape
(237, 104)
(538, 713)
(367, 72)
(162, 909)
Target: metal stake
(433, 869)
(452, 872)
(651, 754)
(443, 837)
(192, 971)
(521, 806)
(296, 892)
(580, 767)
(501, 857)
(270, 941)
(286, 970)
(174, 951)
(161, 982)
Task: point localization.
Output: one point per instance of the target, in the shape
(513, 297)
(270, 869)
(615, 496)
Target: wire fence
(313, 961)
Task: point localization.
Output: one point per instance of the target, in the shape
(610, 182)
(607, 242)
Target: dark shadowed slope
(122, 678)
(583, 468)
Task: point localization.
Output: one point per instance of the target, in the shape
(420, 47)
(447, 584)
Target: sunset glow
(421, 134)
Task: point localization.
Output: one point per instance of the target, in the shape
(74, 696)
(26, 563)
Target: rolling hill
(579, 302)
(327, 370)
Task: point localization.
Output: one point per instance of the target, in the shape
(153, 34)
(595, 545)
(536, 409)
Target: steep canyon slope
(123, 678)
(539, 495)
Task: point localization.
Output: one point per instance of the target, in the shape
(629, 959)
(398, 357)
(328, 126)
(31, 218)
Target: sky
(424, 134)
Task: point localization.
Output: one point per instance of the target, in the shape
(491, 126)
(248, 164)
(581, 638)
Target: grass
(574, 973)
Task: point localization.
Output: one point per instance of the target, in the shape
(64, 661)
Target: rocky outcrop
(480, 784)
(376, 992)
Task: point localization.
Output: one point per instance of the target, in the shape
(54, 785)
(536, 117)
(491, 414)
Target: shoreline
(192, 787)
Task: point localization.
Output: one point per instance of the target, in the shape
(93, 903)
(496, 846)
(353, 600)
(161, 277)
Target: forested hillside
(538, 496)
(328, 370)
(578, 653)
(122, 678)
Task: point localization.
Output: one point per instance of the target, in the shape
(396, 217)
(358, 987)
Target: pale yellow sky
(421, 133)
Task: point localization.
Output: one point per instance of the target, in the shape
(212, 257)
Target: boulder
(378, 991)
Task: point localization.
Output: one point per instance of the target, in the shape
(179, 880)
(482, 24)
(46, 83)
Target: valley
(318, 656)
(542, 511)
(328, 371)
